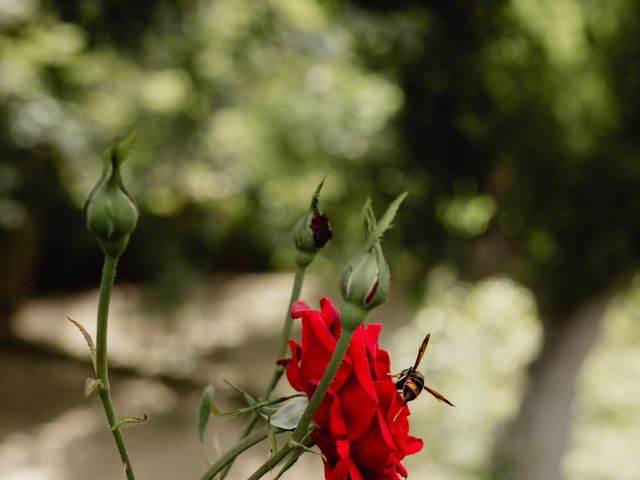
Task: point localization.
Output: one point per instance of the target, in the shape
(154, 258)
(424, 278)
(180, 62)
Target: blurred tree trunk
(18, 253)
(532, 446)
(42, 252)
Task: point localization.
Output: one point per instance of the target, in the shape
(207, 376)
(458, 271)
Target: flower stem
(242, 445)
(102, 366)
(272, 461)
(279, 370)
(291, 448)
(288, 321)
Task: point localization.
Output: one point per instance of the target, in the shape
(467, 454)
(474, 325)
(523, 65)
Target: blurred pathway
(49, 431)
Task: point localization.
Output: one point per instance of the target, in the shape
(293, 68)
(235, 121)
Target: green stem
(293, 457)
(279, 370)
(242, 445)
(288, 321)
(102, 366)
(267, 466)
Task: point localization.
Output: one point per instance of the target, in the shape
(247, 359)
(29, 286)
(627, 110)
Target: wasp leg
(438, 395)
(399, 411)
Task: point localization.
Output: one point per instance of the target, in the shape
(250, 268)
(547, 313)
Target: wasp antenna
(398, 413)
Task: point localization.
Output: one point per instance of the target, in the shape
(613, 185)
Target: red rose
(360, 431)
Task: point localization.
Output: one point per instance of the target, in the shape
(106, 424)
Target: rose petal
(293, 369)
(317, 346)
(401, 470)
(341, 469)
(372, 451)
(354, 472)
(331, 317)
(372, 335)
(337, 424)
(358, 355)
(358, 395)
(299, 308)
(357, 406)
(412, 445)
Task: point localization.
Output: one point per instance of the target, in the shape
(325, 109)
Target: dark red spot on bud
(321, 229)
(372, 293)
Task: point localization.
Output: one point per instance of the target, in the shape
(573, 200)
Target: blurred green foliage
(510, 122)
(530, 103)
(242, 108)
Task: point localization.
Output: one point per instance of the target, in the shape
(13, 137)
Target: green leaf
(234, 413)
(385, 221)
(316, 196)
(90, 344)
(215, 411)
(289, 414)
(122, 148)
(368, 218)
(128, 420)
(248, 398)
(260, 406)
(90, 385)
(205, 410)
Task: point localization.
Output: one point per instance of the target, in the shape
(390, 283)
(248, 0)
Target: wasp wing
(423, 348)
(438, 395)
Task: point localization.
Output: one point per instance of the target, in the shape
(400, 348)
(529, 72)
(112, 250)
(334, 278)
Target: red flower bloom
(360, 431)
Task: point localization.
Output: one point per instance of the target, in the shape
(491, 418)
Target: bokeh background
(512, 123)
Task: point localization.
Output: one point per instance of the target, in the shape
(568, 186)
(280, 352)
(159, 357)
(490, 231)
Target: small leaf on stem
(205, 411)
(289, 414)
(89, 340)
(128, 420)
(248, 398)
(261, 407)
(375, 231)
(90, 385)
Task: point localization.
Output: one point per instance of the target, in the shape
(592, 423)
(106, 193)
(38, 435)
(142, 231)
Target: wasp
(410, 382)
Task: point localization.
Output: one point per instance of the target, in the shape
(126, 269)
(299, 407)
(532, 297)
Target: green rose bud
(110, 213)
(366, 280)
(311, 232)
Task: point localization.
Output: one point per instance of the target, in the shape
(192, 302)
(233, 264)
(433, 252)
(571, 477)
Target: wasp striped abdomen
(411, 383)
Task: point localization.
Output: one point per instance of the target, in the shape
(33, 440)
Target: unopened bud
(311, 232)
(366, 280)
(110, 213)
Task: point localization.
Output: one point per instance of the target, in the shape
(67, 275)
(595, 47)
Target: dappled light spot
(467, 216)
